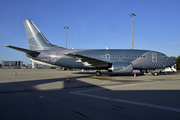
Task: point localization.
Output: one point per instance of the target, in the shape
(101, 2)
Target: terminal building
(11, 64)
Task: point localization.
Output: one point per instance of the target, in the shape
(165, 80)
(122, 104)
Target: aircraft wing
(87, 61)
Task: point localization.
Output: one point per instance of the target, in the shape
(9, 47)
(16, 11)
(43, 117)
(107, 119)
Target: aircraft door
(154, 57)
(107, 57)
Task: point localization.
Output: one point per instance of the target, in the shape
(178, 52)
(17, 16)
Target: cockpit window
(164, 56)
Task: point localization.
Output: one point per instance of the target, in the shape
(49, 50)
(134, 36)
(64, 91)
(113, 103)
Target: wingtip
(6, 45)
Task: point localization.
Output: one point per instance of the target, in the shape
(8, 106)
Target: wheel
(142, 72)
(155, 74)
(98, 73)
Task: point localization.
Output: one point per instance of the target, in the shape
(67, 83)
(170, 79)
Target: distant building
(11, 64)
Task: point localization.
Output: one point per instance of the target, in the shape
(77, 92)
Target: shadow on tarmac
(23, 101)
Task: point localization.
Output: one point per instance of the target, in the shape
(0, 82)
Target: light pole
(66, 34)
(23, 58)
(132, 14)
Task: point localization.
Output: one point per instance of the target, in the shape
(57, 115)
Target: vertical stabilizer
(36, 39)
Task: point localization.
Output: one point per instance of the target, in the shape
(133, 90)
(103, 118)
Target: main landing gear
(98, 73)
(143, 72)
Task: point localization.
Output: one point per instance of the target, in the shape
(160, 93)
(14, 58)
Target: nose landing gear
(155, 73)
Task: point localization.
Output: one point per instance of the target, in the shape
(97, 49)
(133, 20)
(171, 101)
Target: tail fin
(36, 39)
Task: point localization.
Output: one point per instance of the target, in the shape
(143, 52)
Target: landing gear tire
(98, 73)
(155, 74)
(142, 72)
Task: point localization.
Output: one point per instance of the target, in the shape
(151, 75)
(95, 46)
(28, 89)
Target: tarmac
(45, 94)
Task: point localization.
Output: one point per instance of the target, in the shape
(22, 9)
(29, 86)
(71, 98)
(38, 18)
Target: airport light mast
(132, 14)
(66, 34)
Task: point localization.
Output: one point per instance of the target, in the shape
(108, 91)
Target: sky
(93, 24)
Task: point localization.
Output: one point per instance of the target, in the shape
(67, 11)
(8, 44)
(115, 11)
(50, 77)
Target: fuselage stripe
(56, 60)
(139, 57)
(123, 69)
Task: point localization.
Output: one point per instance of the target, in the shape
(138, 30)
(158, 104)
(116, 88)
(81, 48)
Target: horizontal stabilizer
(30, 52)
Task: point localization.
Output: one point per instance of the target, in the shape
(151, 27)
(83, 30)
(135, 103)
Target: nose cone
(172, 61)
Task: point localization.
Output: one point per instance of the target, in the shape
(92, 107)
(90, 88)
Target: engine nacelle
(121, 67)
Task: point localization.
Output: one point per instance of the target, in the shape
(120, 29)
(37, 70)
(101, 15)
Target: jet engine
(121, 67)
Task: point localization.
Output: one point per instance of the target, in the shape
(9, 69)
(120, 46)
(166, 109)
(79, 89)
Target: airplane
(113, 60)
(41, 66)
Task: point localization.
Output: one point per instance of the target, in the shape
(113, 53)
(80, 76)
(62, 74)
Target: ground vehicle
(168, 69)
